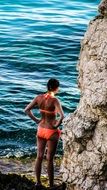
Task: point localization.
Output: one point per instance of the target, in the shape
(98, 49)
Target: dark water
(38, 40)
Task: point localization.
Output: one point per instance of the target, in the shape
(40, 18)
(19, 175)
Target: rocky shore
(17, 182)
(18, 174)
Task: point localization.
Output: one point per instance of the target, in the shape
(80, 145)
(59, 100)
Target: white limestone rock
(84, 164)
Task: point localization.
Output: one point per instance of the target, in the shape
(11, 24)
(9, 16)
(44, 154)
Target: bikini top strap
(51, 112)
(46, 111)
(46, 95)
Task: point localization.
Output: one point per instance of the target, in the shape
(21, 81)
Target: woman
(48, 132)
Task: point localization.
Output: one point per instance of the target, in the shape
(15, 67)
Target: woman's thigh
(52, 146)
(54, 137)
(41, 144)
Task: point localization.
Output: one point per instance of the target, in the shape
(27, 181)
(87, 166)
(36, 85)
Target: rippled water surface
(38, 40)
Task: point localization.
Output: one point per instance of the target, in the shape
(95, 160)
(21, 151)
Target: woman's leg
(52, 145)
(41, 143)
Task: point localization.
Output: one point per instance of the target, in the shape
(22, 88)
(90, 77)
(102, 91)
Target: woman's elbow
(62, 117)
(26, 110)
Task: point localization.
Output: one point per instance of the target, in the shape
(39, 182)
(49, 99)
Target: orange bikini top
(50, 112)
(46, 111)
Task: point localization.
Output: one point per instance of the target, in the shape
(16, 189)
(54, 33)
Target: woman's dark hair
(52, 84)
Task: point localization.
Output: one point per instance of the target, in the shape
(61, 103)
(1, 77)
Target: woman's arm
(59, 109)
(28, 111)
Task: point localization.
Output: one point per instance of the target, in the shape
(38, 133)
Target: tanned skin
(47, 120)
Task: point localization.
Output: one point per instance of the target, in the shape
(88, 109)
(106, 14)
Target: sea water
(38, 40)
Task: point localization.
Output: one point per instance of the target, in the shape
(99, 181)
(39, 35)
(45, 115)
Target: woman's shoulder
(44, 95)
(39, 96)
(55, 99)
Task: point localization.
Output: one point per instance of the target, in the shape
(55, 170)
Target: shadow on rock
(17, 182)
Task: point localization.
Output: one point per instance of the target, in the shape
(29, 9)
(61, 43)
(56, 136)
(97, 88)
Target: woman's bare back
(46, 105)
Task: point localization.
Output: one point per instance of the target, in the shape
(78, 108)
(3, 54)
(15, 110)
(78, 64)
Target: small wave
(39, 40)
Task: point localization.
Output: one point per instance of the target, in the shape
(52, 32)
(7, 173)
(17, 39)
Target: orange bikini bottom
(46, 133)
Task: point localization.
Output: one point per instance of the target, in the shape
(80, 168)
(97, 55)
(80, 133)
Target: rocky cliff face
(84, 165)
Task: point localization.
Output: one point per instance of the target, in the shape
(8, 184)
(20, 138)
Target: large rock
(84, 165)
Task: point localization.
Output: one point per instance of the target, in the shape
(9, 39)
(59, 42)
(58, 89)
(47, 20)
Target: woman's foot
(58, 187)
(39, 186)
(54, 187)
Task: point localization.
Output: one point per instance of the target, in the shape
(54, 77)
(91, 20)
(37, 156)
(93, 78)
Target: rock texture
(103, 8)
(84, 165)
(18, 174)
(17, 182)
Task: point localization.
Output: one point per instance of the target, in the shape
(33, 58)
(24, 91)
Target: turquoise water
(38, 40)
